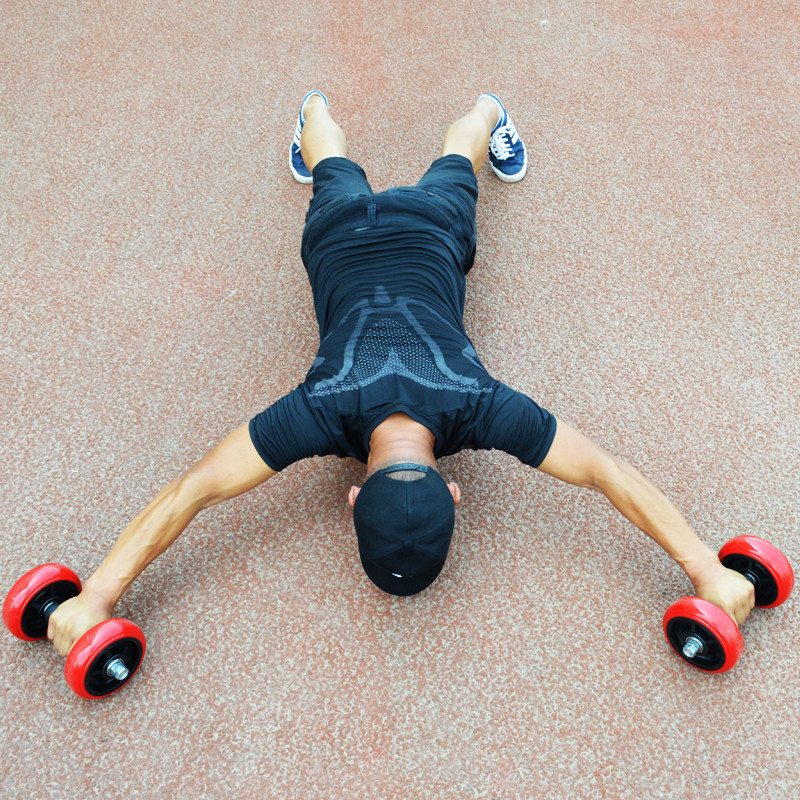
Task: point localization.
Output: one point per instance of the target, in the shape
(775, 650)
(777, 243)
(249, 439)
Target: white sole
(297, 176)
(511, 178)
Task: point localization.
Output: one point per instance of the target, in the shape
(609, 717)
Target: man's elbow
(196, 490)
(608, 475)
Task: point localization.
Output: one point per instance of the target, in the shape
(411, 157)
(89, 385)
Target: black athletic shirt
(388, 282)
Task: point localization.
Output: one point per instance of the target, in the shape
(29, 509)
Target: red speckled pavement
(641, 282)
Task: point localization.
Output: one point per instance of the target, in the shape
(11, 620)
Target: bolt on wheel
(105, 658)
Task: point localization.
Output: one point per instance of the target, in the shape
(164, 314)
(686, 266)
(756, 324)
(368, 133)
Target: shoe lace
(503, 141)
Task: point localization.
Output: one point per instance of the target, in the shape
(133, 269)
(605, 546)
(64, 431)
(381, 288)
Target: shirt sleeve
(517, 425)
(288, 431)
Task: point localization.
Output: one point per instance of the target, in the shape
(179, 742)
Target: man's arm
(230, 469)
(576, 459)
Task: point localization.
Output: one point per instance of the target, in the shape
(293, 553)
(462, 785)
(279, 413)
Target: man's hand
(74, 617)
(729, 590)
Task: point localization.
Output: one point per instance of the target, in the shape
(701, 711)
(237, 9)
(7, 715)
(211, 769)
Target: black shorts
(443, 202)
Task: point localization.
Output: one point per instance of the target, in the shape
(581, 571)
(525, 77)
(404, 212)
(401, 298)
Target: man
(396, 383)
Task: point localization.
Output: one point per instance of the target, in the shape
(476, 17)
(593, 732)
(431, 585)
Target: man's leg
(320, 146)
(320, 137)
(487, 127)
(323, 138)
(469, 136)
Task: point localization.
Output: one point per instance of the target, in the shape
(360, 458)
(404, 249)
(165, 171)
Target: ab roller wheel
(103, 660)
(701, 633)
(106, 657)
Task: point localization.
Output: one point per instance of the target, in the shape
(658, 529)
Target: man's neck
(398, 439)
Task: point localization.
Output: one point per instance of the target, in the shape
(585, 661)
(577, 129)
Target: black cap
(404, 526)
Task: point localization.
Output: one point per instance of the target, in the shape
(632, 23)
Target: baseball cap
(404, 525)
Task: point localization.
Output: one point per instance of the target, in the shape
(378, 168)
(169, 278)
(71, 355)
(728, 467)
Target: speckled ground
(642, 283)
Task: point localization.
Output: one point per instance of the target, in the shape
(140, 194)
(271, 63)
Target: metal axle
(692, 646)
(117, 669)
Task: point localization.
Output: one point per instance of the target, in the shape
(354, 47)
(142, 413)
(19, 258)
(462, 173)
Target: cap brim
(402, 587)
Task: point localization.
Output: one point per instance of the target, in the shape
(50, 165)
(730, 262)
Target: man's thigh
(335, 179)
(451, 183)
(452, 176)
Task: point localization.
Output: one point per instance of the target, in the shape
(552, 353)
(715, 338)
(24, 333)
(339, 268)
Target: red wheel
(703, 634)
(763, 565)
(34, 597)
(105, 658)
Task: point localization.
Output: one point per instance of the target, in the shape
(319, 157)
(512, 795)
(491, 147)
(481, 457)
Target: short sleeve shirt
(388, 276)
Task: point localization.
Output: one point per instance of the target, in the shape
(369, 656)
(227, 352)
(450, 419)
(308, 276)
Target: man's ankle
(490, 110)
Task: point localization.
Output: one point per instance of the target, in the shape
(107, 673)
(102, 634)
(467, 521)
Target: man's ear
(455, 490)
(351, 498)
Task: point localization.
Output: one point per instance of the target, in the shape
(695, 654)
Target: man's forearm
(230, 469)
(576, 459)
(646, 507)
(150, 533)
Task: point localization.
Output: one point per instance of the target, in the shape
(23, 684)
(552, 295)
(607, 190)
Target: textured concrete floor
(641, 283)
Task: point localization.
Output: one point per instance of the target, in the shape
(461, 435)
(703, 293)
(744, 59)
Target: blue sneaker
(507, 154)
(296, 163)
